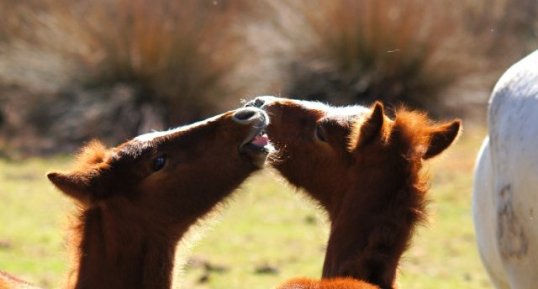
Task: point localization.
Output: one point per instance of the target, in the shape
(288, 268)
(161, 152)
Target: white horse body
(505, 197)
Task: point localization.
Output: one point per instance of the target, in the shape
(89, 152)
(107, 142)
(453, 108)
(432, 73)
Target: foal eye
(320, 133)
(158, 163)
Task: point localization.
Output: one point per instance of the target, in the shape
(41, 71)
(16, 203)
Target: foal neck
(114, 252)
(372, 224)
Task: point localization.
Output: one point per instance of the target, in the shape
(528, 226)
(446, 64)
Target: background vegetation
(111, 69)
(70, 70)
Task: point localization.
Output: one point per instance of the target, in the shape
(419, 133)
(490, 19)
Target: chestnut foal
(138, 199)
(364, 169)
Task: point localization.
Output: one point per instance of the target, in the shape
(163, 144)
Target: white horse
(505, 197)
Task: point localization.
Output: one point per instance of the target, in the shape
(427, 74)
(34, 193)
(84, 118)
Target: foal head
(364, 169)
(167, 180)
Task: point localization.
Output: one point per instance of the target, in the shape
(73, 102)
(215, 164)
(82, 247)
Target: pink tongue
(260, 140)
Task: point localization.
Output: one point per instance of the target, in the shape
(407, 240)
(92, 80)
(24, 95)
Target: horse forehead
(347, 112)
(335, 112)
(129, 150)
(152, 136)
(144, 142)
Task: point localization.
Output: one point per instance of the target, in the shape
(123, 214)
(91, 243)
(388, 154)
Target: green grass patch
(265, 234)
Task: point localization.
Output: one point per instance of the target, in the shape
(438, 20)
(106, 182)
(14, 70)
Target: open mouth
(256, 146)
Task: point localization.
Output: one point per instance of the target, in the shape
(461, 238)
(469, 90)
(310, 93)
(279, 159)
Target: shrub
(176, 53)
(397, 51)
(110, 69)
(508, 29)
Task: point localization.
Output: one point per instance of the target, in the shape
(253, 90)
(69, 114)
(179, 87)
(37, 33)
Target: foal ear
(77, 185)
(442, 137)
(371, 128)
(85, 183)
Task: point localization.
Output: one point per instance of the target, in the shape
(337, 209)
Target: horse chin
(256, 146)
(255, 154)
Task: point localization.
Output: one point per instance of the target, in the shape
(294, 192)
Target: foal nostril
(245, 115)
(258, 102)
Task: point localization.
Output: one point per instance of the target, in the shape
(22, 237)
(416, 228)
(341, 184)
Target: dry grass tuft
(397, 51)
(111, 69)
(177, 53)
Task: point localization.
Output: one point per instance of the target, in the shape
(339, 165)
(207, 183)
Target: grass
(266, 227)
(32, 217)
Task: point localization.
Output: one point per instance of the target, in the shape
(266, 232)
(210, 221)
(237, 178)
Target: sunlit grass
(32, 216)
(266, 225)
